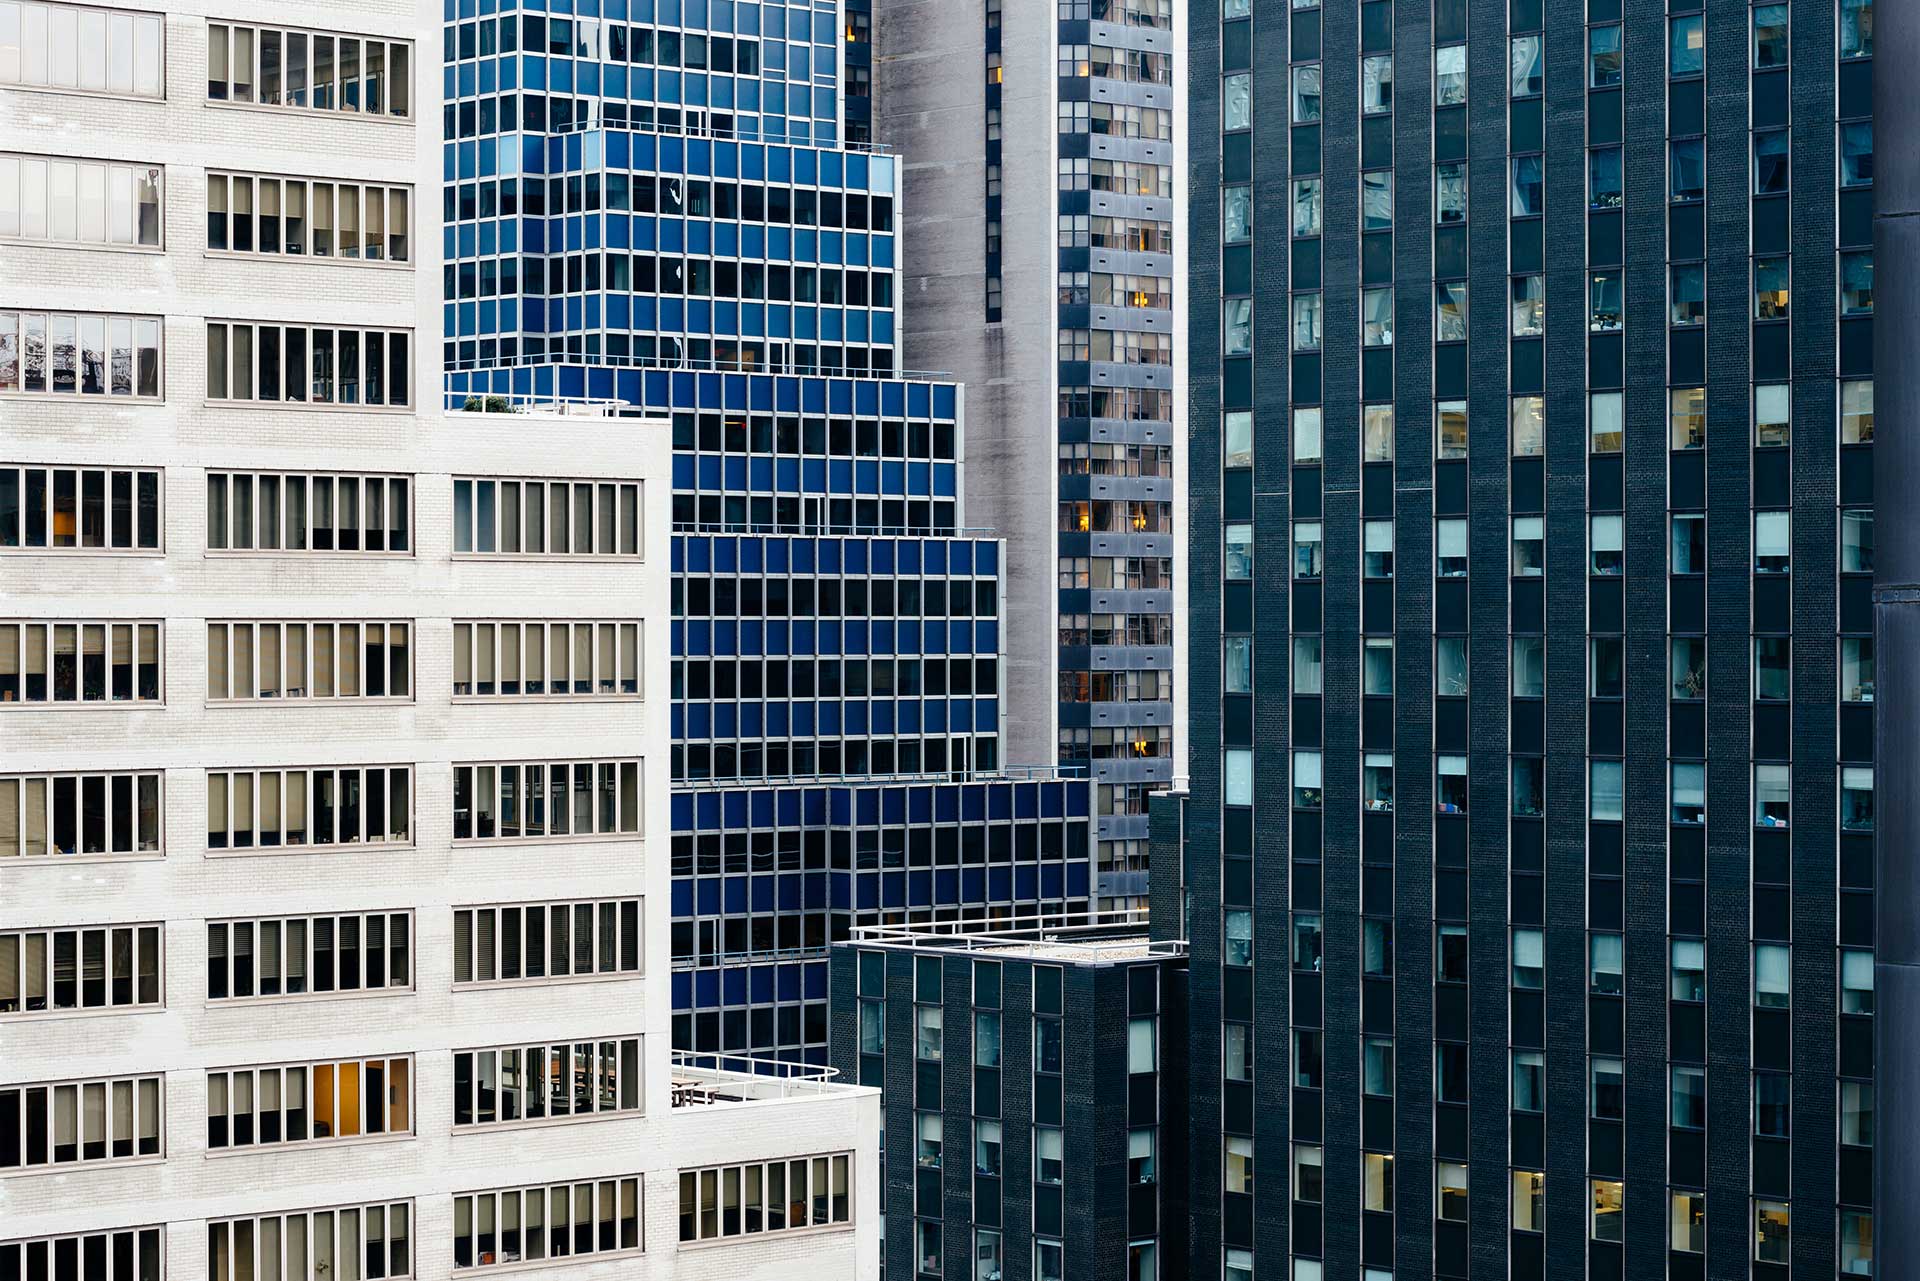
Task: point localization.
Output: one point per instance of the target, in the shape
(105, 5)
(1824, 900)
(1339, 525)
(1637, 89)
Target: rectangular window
(541, 800)
(100, 509)
(272, 214)
(67, 200)
(296, 513)
(362, 1242)
(777, 1196)
(275, 67)
(546, 1082)
(559, 1221)
(73, 662)
(119, 1254)
(300, 660)
(87, 50)
(309, 955)
(528, 660)
(1450, 429)
(534, 517)
(105, 967)
(79, 354)
(80, 815)
(522, 942)
(265, 363)
(59, 1123)
(317, 807)
(309, 1102)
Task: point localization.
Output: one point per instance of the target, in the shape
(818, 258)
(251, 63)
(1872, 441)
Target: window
(1688, 1093)
(1772, 1105)
(1529, 546)
(69, 354)
(1529, 1201)
(1237, 1045)
(1237, 562)
(1450, 784)
(1237, 665)
(1606, 1089)
(1307, 206)
(1309, 1169)
(1450, 75)
(313, 1245)
(1450, 193)
(927, 1040)
(1689, 792)
(1528, 313)
(1687, 293)
(1856, 541)
(1856, 1113)
(308, 660)
(511, 943)
(1049, 1261)
(563, 1220)
(319, 71)
(1687, 412)
(1450, 429)
(1606, 178)
(546, 1082)
(1770, 1232)
(1772, 795)
(1526, 66)
(59, 1123)
(80, 815)
(1307, 322)
(68, 47)
(1529, 1081)
(1527, 424)
(529, 517)
(1856, 28)
(1770, 162)
(1772, 542)
(1306, 435)
(1236, 214)
(1773, 668)
(1237, 326)
(1527, 186)
(122, 1254)
(1237, 439)
(1609, 1217)
(1237, 780)
(1307, 665)
(286, 512)
(1306, 95)
(1529, 786)
(1529, 667)
(1236, 102)
(1772, 415)
(1605, 302)
(313, 808)
(1049, 1154)
(510, 659)
(1450, 666)
(1856, 1242)
(266, 363)
(1856, 981)
(309, 955)
(541, 800)
(1856, 412)
(75, 662)
(1769, 36)
(1376, 559)
(1450, 547)
(1856, 672)
(1856, 153)
(1376, 1181)
(1450, 1189)
(1606, 781)
(1308, 941)
(79, 202)
(1772, 976)
(1376, 665)
(1689, 667)
(1607, 557)
(1688, 970)
(1376, 1066)
(1603, 57)
(1606, 962)
(1376, 84)
(79, 508)
(1308, 550)
(1376, 317)
(1686, 46)
(1306, 780)
(1856, 283)
(1450, 311)
(1686, 169)
(1529, 960)
(1239, 936)
(987, 1148)
(297, 1103)
(262, 214)
(112, 967)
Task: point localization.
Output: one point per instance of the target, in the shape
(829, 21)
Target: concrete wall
(929, 105)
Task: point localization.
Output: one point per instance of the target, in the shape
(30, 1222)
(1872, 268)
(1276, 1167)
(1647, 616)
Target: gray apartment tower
(1528, 858)
(1045, 145)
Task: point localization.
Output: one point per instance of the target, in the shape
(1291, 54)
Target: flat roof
(1083, 938)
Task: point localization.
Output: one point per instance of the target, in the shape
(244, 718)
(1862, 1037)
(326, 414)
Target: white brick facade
(185, 585)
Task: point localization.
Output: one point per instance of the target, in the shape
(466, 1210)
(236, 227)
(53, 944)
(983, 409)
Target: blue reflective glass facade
(648, 206)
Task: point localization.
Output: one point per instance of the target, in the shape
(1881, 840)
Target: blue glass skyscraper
(649, 206)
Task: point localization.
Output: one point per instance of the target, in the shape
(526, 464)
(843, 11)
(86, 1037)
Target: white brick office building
(333, 889)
